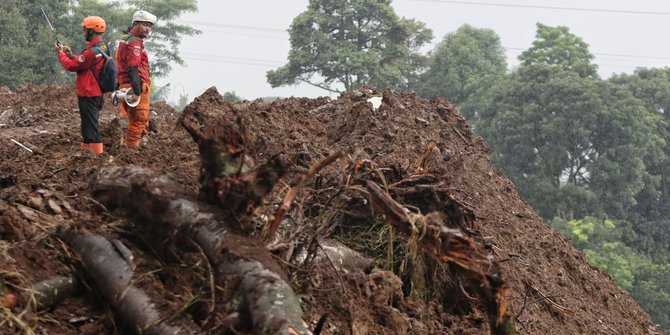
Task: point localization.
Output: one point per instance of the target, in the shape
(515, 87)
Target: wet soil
(552, 288)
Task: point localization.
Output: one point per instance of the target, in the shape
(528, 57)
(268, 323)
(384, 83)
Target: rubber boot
(85, 145)
(132, 143)
(96, 148)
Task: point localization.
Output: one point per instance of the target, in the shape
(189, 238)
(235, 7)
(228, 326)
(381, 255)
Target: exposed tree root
(44, 294)
(113, 278)
(241, 263)
(51, 291)
(449, 246)
(227, 174)
(295, 185)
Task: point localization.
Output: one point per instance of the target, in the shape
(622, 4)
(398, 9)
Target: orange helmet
(94, 22)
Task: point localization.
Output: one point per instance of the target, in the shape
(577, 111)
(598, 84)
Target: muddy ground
(552, 288)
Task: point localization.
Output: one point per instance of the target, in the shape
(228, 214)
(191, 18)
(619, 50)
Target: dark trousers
(89, 111)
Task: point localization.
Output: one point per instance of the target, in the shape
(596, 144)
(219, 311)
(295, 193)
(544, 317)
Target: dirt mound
(551, 287)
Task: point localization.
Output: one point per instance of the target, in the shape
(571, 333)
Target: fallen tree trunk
(240, 262)
(113, 278)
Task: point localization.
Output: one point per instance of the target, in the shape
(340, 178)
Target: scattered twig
(534, 302)
(559, 308)
(293, 191)
(212, 282)
(97, 203)
(461, 135)
(612, 329)
(21, 145)
(7, 315)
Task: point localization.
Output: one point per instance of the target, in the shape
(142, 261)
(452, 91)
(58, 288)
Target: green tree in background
(27, 52)
(417, 63)
(580, 144)
(652, 211)
(556, 45)
(573, 145)
(159, 93)
(465, 61)
(535, 124)
(625, 142)
(647, 281)
(232, 97)
(348, 43)
(651, 289)
(181, 103)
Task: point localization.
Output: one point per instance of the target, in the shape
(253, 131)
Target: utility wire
(274, 30)
(278, 30)
(604, 54)
(272, 64)
(212, 24)
(276, 37)
(233, 58)
(577, 9)
(267, 66)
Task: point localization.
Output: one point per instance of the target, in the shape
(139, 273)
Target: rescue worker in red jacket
(88, 65)
(133, 64)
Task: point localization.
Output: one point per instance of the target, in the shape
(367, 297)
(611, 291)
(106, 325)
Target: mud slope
(552, 288)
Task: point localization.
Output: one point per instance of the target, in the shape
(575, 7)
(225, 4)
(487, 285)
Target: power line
(606, 54)
(577, 9)
(233, 58)
(243, 34)
(267, 66)
(212, 24)
(279, 30)
(270, 63)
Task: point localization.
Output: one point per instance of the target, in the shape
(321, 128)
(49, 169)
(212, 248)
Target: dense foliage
(601, 240)
(339, 44)
(27, 52)
(462, 63)
(590, 155)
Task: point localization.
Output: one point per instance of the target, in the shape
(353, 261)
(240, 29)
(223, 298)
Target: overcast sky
(241, 40)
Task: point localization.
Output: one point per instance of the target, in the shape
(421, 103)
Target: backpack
(108, 74)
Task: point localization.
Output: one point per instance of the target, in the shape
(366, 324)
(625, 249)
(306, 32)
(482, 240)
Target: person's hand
(132, 97)
(59, 47)
(67, 51)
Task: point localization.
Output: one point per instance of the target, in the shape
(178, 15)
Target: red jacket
(85, 64)
(129, 53)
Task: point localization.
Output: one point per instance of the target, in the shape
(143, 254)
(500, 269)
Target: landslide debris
(421, 152)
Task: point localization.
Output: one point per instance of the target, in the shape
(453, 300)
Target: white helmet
(144, 16)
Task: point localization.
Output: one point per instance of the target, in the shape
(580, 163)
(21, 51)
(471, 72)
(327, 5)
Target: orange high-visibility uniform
(138, 117)
(131, 54)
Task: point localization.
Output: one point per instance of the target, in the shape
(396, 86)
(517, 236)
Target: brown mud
(551, 287)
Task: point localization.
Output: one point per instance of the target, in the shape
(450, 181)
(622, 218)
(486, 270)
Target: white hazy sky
(241, 40)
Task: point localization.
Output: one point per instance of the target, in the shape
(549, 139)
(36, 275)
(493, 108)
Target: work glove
(135, 80)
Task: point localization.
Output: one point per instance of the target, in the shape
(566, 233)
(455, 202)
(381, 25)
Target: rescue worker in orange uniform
(88, 65)
(133, 64)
